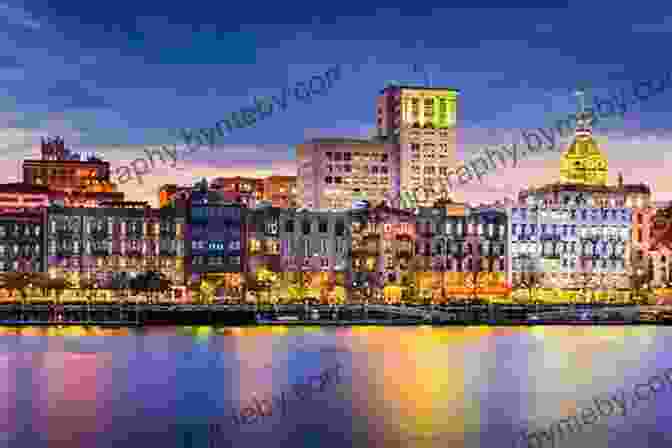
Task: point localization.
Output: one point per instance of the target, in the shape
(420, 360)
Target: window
(306, 248)
(323, 226)
(305, 227)
(289, 226)
(340, 246)
(340, 228)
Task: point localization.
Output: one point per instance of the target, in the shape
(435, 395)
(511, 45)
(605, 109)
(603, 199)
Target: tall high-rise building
(334, 173)
(422, 121)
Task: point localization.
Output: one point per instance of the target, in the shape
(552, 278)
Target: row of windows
(106, 246)
(230, 212)
(567, 230)
(272, 247)
(571, 263)
(217, 260)
(461, 249)
(14, 266)
(106, 225)
(604, 249)
(16, 250)
(448, 264)
(307, 226)
(595, 213)
(203, 244)
(16, 230)
(347, 156)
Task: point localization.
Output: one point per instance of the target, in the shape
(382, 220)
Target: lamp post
(638, 279)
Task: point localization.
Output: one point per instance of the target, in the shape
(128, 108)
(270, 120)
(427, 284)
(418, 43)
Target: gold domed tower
(582, 162)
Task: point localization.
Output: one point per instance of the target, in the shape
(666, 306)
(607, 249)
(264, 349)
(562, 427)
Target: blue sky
(117, 77)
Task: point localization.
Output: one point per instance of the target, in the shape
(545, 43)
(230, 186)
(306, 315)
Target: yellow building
(582, 162)
(423, 122)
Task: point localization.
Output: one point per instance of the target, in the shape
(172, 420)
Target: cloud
(18, 16)
(544, 28)
(664, 27)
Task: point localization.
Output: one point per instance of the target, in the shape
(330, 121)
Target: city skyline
(96, 111)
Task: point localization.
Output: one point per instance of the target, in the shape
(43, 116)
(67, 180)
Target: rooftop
(407, 87)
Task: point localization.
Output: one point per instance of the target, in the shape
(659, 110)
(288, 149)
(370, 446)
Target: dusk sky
(118, 77)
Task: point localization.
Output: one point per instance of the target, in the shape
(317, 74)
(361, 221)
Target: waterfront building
(215, 243)
(84, 179)
(382, 253)
(297, 254)
(448, 252)
(422, 121)
(573, 240)
(652, 236)
(462, 253)
(334, 173)
(23, 241)
(103, 249)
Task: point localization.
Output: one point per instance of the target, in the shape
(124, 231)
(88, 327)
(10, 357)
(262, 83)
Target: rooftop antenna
(584, 119)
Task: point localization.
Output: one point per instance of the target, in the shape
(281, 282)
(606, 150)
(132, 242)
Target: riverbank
(116, 315)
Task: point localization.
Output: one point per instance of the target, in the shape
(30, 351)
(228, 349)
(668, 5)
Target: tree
(253, 284)
(473, 275)
(299, 290)
(150, 281)
(640, 277)
(529, 277)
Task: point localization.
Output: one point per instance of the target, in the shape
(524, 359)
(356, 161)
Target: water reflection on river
(401, 386)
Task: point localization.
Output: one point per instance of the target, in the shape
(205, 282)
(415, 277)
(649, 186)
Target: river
(370, 387)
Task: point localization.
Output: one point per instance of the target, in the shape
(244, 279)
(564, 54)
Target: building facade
(23, 241)
(579, 239)
(333, 173)
(215, 247)
(297, 254)
(104, 248)
(423, 122)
